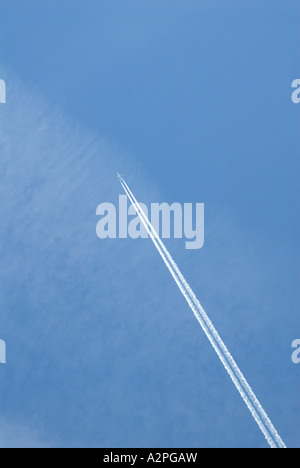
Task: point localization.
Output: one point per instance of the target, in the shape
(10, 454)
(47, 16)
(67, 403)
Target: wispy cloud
(81, 318)
(14, 435)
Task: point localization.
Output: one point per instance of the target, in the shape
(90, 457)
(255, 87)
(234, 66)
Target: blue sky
(191, 101)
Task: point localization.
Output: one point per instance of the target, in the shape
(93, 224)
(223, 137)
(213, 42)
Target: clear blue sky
(191, 101)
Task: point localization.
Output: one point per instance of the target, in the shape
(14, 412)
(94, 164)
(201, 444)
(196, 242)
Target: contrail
(224, 355)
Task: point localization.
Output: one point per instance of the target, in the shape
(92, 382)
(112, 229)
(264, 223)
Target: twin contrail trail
(224, 355)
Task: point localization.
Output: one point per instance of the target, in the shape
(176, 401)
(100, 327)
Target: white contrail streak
(227, 360)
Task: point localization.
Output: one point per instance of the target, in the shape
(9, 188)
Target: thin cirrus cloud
(13, 435)
(99, 343)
